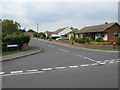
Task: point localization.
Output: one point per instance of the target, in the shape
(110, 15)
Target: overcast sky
(54, 15)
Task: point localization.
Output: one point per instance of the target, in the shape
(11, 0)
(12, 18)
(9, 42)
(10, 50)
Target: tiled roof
(96, 28)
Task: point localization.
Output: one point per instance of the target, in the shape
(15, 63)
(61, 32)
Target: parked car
(62, 38)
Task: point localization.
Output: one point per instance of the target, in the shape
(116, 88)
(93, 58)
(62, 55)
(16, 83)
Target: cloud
(53, 15)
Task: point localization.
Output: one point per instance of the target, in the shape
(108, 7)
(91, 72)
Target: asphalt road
(54, 55)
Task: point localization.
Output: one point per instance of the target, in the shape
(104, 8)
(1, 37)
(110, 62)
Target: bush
(72, 38)
(117, 39)
(87, 40)
(79, 41)
(19, 39)
(47, 37)
(99, 40)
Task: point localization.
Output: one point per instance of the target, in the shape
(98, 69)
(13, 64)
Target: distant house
(106, 31)
(72, 33)
(61, 32)
(48, 33)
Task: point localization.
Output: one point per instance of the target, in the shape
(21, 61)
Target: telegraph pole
(37, 30)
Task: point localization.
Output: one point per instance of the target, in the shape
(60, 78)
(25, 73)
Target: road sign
(12, 45)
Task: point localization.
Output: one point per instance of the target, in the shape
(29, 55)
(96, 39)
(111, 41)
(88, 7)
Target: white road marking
(102, 63)
(22, 73)
(73, 66)
(111, 62)
(1, 73)
(94, 64)
(79, 55)
(60, 67)
(47, 69)
(85, 65)
(63, 50)
(118, 59)
(106, 60)
(98, 61)
(34, 70)
(13, 72)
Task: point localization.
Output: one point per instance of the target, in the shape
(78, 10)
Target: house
(106, 31)
(72, 33)
(47, 33)
(61, 32)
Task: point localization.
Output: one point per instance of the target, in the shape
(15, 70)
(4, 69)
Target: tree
(30, 30)
(9, 26)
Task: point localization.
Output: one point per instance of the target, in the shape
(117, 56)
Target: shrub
(15, 39)
(99, 40)
(72, 38)
(117, 39)
(87, 40)
(47, 37)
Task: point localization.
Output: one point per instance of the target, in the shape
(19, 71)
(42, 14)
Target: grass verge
(12, 52)
(104, 49)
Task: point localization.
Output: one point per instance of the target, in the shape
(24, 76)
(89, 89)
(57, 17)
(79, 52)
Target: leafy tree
(9, 26)
(30, 30)
(117, 39)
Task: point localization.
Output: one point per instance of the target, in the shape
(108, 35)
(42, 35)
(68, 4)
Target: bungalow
(106, 31)
(61, 32)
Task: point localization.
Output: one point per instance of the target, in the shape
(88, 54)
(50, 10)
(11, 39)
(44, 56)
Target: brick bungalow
(107, 31)
(72, 33)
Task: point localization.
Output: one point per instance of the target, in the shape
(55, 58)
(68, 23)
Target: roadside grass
(12, 52)
(100, 43)
(66, 40)
(104, 49)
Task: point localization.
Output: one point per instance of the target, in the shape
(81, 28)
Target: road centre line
(85, 65)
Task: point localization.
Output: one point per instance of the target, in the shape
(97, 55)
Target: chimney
(106, 22)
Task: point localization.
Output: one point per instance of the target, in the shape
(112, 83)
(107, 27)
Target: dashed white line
(94, 64)
(47, 69)
(1, 73)
(34, 70)
(73, 66)
(79, 55)
(13, 72)
(60, 67)
(85, 65)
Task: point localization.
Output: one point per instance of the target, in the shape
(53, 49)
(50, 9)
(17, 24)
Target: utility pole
(37, 30)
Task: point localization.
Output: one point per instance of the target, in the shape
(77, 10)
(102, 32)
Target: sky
(54, 15)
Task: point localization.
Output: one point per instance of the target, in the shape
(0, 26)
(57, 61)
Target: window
(116, 34)
(77, 35)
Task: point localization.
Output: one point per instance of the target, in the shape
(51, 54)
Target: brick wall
(25, 46)
(112, 30)
(88, 45)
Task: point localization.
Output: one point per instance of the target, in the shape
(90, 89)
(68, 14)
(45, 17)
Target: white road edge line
(22, 73)
(13, 72)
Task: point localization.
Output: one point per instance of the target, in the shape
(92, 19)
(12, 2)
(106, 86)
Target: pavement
(60, 66)
(33, 49)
